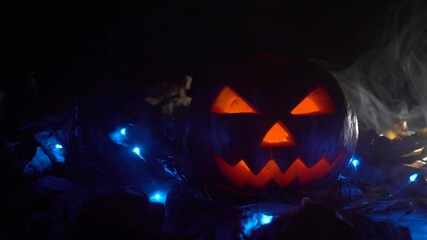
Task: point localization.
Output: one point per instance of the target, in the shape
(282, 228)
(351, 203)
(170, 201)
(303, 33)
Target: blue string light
(255, 221)
(355, 162)
(119, 137)
(137, 151)
(266, 219)
(158, 197)
(58, 146)
(413, 177)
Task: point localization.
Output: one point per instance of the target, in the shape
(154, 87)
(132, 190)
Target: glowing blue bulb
(119, 137)
(137, 151)
(355, 162)
(266, 219)
(413, 177)
(254, 222)
(158, 197)
(58, 146)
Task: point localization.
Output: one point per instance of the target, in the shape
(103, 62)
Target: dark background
(57, 49)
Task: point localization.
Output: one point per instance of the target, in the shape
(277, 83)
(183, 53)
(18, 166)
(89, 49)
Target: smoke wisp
(389, 83)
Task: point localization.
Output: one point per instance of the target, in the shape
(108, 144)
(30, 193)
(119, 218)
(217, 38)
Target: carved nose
(278, 136)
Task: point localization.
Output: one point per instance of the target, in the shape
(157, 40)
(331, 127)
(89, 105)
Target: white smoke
(390, 83)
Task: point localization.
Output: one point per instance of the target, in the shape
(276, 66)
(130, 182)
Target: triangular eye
(316, 103)
(229, 102)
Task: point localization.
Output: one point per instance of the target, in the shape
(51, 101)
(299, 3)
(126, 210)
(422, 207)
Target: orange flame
(316, 103)
(278, 135)
(229, 102)
(240, 174)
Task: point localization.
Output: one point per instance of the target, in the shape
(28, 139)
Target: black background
(73, 47)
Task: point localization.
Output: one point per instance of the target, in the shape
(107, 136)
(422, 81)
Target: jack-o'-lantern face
(271, 122)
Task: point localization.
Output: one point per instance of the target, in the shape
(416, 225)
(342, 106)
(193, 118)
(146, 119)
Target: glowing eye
(316, 103)
(229, 102)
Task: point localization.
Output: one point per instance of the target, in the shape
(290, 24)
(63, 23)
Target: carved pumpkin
(270, 123)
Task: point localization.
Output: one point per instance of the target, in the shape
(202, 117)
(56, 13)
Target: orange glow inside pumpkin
(229, 102)
(241, 175)
(316, 103)
(278, 135)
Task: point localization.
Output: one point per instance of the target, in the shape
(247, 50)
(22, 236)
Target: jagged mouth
(241, 175)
